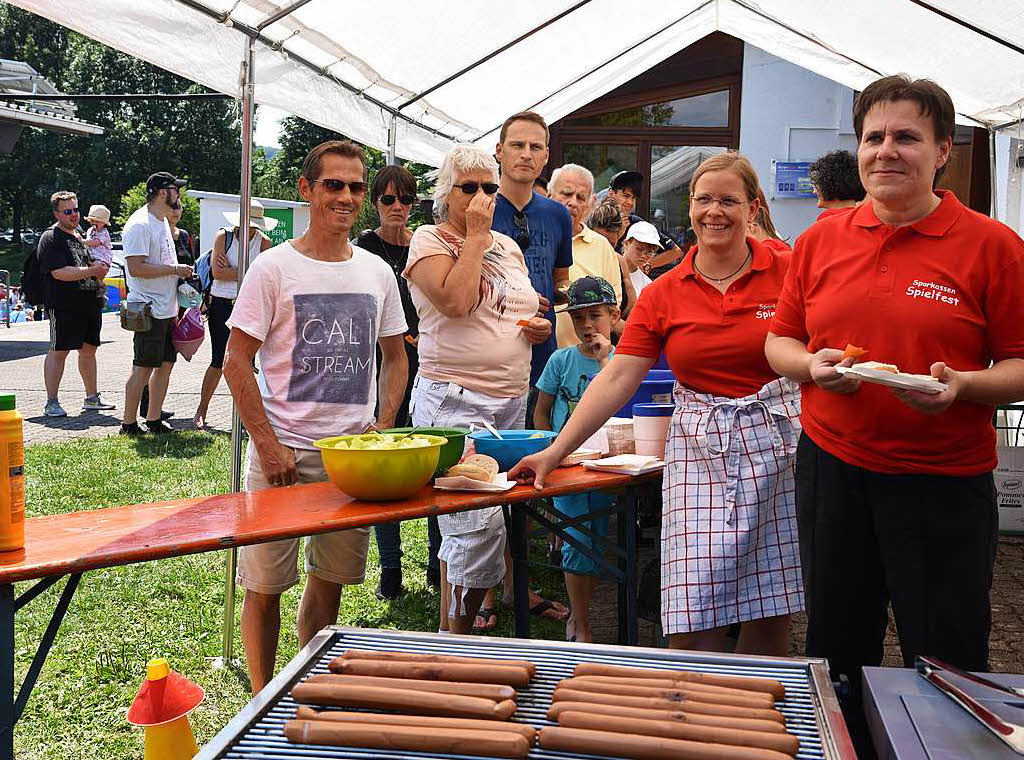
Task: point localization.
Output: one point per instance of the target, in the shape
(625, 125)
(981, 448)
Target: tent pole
(242, 240)
(993, 180)
(392, 157)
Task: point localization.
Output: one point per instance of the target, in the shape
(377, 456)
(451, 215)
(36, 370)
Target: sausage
(750, 683)
(668, 683)
(497, 692)
(571, 695)
(407, 738)
(418, 702)
(672, 730)
(433, 671)
(757, 700)
(584, 741)
(366, 654)
(696, 719)
(427, 721)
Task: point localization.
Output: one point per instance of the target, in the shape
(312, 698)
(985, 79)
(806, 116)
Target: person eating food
(895, 495)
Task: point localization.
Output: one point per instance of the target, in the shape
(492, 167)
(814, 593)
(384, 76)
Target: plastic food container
(380, 474)
(451, 452)
(650, 428)
(515, 445)
(656, 388)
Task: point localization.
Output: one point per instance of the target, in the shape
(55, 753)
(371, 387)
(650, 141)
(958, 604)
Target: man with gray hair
(572, 185)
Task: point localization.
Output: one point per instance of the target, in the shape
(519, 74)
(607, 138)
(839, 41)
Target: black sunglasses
(470, 188)
(388, 200)
(337, 185)
(69, 211)
(522, 223)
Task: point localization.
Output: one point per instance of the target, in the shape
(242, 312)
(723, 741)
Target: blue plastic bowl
(515, 445)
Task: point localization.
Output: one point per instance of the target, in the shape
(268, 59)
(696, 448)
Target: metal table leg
(629, 630)
(516, 521)
(11, 708)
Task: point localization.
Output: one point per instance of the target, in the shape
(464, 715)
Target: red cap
(164, 696)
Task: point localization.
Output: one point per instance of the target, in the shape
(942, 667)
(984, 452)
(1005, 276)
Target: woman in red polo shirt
(895, 494)
(729, 535)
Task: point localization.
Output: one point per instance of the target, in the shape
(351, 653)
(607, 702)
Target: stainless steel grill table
(811, 710)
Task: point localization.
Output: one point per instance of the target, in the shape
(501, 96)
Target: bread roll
(470, 471)
(490, 464)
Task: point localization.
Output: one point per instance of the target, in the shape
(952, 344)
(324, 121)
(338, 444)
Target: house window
(707, 110)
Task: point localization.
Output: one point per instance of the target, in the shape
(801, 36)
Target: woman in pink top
(478, 322)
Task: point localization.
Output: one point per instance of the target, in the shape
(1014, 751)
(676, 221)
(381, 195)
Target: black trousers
(925, 543)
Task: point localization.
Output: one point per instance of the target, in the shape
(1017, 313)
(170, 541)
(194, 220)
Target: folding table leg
(629, 629)
(7, 671)
(517, 537)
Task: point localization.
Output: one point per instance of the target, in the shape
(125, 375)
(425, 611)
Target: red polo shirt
(714, 341)
(777, 245)
(946, 288)
(833, 211)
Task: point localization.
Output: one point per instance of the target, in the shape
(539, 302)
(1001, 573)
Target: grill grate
(262, 735)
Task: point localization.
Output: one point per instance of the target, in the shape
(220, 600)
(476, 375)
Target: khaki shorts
(270, 568)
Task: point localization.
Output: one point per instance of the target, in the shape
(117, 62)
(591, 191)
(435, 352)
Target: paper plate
(901, 380)
(460, 483)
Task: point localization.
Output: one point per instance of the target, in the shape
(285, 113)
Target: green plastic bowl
(451, 452)
(380, 474)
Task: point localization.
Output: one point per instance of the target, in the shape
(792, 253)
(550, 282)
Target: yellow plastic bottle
(12, 477)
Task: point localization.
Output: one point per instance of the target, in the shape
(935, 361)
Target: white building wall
(790, 114)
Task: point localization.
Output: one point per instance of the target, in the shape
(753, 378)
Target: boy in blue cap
(594, 309)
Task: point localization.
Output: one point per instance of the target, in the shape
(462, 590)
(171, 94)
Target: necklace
(721, 279)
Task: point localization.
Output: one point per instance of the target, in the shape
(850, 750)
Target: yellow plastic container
(380, 474)
(12, 477)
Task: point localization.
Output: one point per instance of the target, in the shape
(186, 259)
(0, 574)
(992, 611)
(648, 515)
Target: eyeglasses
(389, 200)
(337, 185)
(522, 223)
(69, 211)
(470, 188)
(727, 203)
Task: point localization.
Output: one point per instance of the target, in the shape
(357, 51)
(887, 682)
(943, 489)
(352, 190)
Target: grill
(257, 732)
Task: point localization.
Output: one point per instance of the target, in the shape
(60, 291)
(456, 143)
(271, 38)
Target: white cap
(645, 232)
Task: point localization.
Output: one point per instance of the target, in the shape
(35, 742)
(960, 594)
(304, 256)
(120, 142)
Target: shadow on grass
(173, 445)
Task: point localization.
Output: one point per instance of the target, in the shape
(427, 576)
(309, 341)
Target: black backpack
(33, 281)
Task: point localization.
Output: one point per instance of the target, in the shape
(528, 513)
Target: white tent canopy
(452, 71)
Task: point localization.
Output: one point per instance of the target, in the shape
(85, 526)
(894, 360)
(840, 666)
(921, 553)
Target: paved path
(23, 347)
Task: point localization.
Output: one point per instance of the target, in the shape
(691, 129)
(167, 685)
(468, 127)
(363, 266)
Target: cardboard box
(1009, 477)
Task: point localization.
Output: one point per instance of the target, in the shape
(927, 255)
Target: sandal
(486, 614)
(544, 606)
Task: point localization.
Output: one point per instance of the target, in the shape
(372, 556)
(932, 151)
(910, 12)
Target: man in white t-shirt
(312, 310)
(152, 272)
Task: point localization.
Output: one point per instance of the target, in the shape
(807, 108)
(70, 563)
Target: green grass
(121, 617)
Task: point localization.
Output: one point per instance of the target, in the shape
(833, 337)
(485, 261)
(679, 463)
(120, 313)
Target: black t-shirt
(183, 249)
(57, 249)
(396, 256)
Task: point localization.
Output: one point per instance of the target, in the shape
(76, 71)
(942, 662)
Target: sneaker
(434, 576)
(158, 427)
(54, 409)
(390, 585)
(95, 404)
(131, 429)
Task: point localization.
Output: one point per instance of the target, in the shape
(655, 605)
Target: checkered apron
(729, 547)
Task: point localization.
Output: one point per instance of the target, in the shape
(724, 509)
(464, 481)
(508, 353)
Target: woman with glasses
(392, 195)
(729, 551)
(477, 325)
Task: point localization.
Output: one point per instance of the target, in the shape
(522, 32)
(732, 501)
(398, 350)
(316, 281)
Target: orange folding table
(67, 545)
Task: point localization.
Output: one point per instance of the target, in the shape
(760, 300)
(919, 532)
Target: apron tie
(723, 415)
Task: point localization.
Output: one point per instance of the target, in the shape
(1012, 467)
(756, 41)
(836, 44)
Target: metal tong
(1010, 733)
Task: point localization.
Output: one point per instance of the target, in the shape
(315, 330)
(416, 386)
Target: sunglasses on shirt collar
(522, 223)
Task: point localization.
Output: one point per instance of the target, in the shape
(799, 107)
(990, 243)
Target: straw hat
(256, 217)
(98, 213)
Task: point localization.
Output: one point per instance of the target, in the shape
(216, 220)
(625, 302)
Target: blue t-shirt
(550, 249)
(565, 378)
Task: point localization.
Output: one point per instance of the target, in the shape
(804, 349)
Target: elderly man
(572, 185)
(312, 309)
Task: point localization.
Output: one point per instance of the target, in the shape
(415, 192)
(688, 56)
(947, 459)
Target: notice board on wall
(791, 179)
